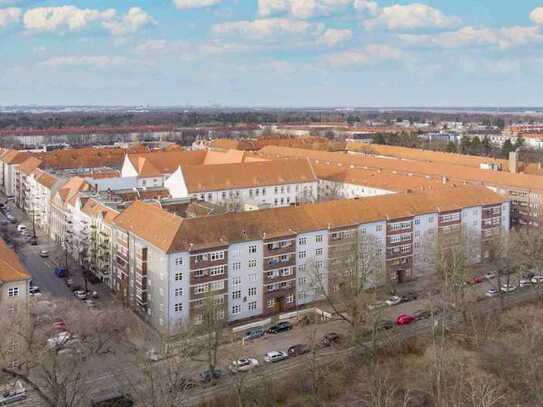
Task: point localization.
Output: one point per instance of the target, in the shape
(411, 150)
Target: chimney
(513, 162)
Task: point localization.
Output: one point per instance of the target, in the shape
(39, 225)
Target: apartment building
(524, 191)
(14, 296)
(10, 161)
(340, 181)
(264, 183)
(153, 168)
(62, 206)
(264, 262)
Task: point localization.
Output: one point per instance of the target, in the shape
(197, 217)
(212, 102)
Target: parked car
(59, 325)
(21, 228)
(206, 376)
(476, 280)
(58, 340)
(280, 327)
(492, 292)
(422, 314)
(243, 365)
(523, 282)
(490, 275)
(275, 356)
(12, 394)
(394, 300)
(80, 294)
(254, 333)
(44, 253)
(114, 399)
(296, 350)
(384, 325)
(34, 289)
(404, 319)
(60, 272)
(408, 296)
(537, 279)
(331, 338)
(508, 288)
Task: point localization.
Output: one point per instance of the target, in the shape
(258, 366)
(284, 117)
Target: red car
(59, 325)
(404, 319)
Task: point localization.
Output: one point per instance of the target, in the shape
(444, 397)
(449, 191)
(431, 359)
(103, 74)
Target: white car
(537, 279)
(492, 292)
(524, 283)
(490, 275)
(44, 253)
(58, 340)
(394, 300)
(508, 288)
(80, 294)
(243, 365)
(275, 356)
(21, 228)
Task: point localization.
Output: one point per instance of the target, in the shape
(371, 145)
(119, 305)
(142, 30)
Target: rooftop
(171, 233)
(11, 267)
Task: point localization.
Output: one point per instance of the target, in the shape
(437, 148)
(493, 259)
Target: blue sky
(272, 52)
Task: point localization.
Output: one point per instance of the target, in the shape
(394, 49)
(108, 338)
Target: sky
(280, 53)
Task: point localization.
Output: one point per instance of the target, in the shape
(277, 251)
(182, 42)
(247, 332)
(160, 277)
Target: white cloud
(370, 55)
(130, 23)
(537, 16)
(62, 18)
(503, 38)
(186, 4)
(71, 18)
(411, 16)
(366, 6)
(301, 8)
(268, 28)
(333, 37)
(9, 15)
(189, 51)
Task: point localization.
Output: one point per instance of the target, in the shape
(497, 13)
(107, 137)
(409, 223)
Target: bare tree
(52, 358)
(355, 265)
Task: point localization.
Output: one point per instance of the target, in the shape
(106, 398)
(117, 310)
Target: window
(263, 191)
(290, 298)
(301, 281)
(302, 241)
(252, 306)
(216, 285)
(271, 302)
(431, 219)
(236, 309)
(318, 252)
(301, 268)
(199, 273)
(236, 266)
(214, 256)
(236, 295)
(252, 249)
(319, 264)
(178, 307)
(417, 221)
(252, 263)
(318, 238)
(178, 292)
(200, 288)
(179, 261)
(302, 255)
(252, 277)
(252, 292)
(220, 314)
(236, 280)
(223, 195)
(379, 228)
(13, 292)
(216, 271)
